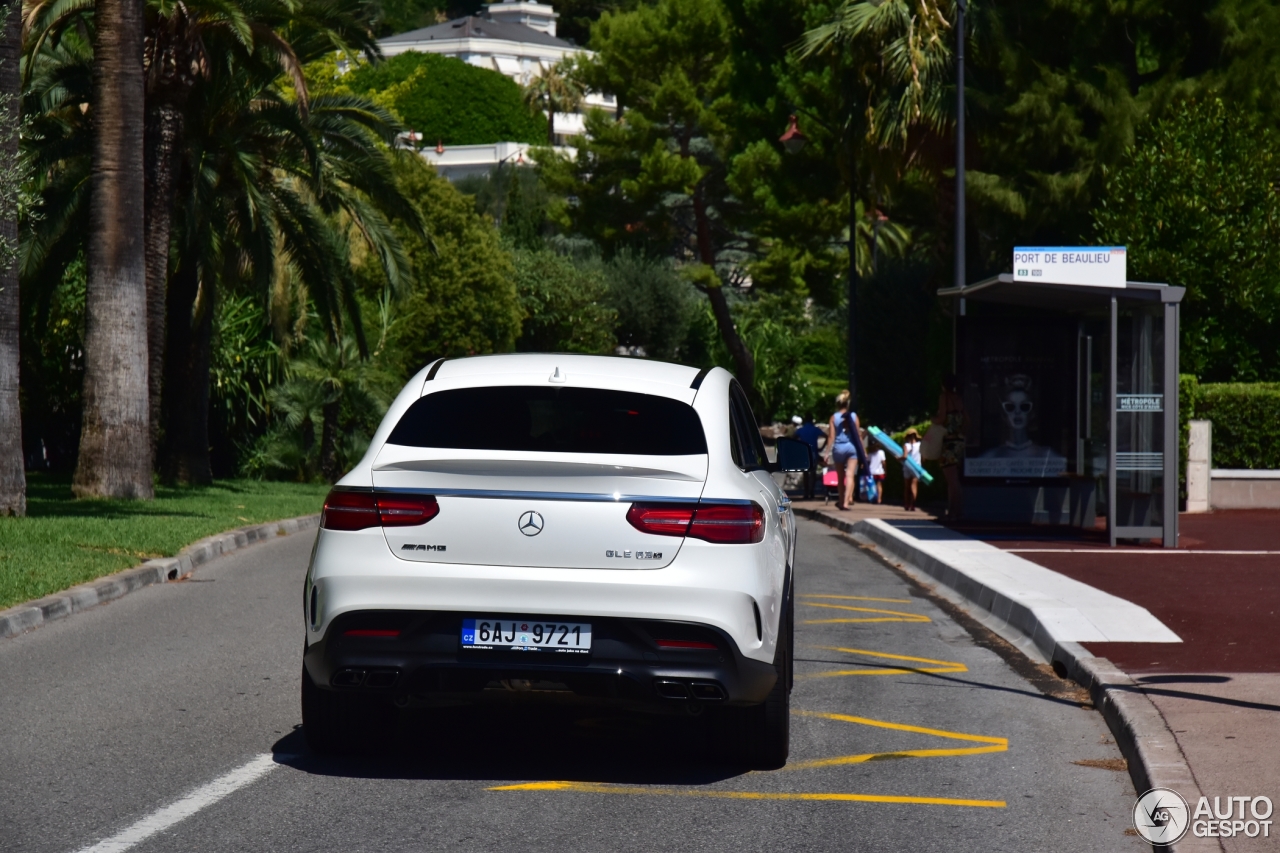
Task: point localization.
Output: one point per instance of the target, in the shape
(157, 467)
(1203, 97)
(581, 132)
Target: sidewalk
(1203, 622)
(1219, 689)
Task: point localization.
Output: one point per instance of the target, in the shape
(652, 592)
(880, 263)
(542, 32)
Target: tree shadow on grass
(50, 497)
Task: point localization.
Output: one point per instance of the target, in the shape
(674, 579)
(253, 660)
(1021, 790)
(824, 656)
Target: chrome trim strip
(511, 495)
(508, 494)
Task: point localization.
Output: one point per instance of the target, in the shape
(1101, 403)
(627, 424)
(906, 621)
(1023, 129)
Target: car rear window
(558, 420)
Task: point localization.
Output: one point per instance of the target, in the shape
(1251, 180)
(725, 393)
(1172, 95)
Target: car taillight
(659, 519)
(407, 510)
(345, 510)
(733, 524)
(730, 524)
(350, 511)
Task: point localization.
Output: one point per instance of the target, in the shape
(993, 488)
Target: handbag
(867, 488)
(931, 444)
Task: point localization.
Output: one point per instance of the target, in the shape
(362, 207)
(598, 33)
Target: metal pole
(1169, 512)
(852, 353)
(1112, 515)
(960, 230)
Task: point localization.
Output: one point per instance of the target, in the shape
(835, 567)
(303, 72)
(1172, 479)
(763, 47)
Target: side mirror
(794, 455)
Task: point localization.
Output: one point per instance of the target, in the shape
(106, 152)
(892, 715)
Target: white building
(514, 37)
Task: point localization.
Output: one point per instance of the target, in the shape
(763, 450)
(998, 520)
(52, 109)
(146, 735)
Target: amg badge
(639, 555)
(412, 547)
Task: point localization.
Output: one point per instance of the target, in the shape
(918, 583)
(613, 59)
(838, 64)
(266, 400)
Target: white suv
(597, 526)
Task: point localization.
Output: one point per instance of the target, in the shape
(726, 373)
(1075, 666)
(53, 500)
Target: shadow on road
(514, 743)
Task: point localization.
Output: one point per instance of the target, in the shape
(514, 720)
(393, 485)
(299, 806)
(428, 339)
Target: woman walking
(846, 451)
(951, 417)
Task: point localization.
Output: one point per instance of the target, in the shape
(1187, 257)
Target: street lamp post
(960, 262)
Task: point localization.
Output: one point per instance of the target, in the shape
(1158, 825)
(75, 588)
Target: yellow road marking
(900, 616)
(860, 621)
(857, 598)
(885, 756)
(996, 744)
(598, 788)
(903, 727)
(939, 666)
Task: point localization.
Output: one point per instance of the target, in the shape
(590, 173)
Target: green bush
(463, 301)
(563, 304)
(447, 100)
(654, 303)
(1246, 423)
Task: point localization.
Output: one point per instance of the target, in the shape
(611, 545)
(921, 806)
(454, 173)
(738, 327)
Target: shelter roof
(1065, 297)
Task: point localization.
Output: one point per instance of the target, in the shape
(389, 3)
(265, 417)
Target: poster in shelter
(1019, 380)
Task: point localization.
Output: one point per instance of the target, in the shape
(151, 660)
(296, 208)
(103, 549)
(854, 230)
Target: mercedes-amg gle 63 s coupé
(606, 529)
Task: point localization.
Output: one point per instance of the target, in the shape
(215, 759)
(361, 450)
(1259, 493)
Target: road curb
(32, 614)
(1142, 735)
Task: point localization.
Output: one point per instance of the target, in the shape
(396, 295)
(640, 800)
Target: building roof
(474, 26)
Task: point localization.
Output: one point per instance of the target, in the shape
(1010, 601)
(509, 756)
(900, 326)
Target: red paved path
(1225, 607)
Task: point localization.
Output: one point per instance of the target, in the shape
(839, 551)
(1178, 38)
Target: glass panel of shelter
(1139, 418)
(1093, 419)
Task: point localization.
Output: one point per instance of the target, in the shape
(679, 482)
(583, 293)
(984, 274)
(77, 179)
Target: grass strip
(63, 542)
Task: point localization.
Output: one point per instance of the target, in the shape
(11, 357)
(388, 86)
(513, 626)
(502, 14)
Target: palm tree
(13, 481)
(556, 90)
(267, 179)
(260, 176)
(900, 59)
(115, 443)
(186, 41)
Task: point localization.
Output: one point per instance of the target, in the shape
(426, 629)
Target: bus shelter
(1071, 398)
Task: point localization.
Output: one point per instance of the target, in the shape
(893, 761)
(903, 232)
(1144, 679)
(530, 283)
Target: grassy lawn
(63, 542)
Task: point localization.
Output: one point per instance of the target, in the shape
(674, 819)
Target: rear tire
(337, 723)
(760, 736)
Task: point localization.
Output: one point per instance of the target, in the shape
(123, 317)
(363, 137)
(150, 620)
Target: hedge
(1246, 421)
(447, 100)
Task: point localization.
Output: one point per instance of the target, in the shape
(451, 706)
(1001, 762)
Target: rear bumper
(734, 589)
(426, 661)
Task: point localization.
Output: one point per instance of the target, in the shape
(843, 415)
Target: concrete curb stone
(32, 614)
(1154, 757)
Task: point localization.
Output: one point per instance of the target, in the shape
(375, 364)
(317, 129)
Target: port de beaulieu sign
(1092, 266)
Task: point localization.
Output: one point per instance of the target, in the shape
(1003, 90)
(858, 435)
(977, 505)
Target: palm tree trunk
(13, 479)
(115, 443)
(329, 442)
(164, 132)
(190, 334)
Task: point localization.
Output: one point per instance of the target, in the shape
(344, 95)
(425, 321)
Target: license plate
(526, 635)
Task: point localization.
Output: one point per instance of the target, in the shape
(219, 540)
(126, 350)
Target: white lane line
(189, 804)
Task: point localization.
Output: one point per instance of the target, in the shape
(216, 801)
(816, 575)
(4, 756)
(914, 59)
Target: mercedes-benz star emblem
(531, 523)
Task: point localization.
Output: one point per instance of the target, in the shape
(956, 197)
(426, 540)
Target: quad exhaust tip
(706, 691)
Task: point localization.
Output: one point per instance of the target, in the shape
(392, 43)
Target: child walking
(910, 483)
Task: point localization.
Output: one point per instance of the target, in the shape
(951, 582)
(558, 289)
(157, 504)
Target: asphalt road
(168, 721)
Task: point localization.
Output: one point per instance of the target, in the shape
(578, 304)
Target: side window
(735, 446)
(744, 435)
